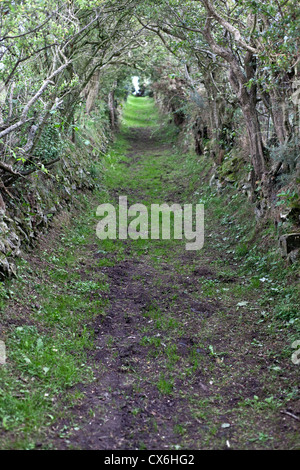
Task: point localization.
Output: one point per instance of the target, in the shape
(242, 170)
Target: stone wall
(33, 202)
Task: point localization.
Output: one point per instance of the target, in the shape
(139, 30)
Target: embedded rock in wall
(9, 246)
(290, 246)
(294, 256)
(29, 213)
(289, 242)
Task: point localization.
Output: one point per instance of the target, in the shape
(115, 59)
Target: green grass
(139, 112)
(49, 356)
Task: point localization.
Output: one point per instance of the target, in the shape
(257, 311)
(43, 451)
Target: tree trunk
(239, 77)
(247, 100)
(255, 140)
(279, 115)
(111, 107)
(93, 90)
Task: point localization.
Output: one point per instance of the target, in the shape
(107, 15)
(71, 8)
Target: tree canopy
(243, 55)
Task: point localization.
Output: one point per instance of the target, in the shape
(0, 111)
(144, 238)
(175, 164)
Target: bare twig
(9, 169)
(22, 119)
(290, 414)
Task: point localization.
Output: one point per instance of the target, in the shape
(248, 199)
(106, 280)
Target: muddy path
(141, 344)
(182, 361)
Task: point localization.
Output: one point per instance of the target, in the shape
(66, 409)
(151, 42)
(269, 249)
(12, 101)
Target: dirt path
(182, 364)
(180, 345)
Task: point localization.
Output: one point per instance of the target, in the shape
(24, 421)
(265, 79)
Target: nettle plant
(289, 198)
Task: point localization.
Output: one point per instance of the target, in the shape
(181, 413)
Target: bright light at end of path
(135, 81)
